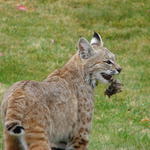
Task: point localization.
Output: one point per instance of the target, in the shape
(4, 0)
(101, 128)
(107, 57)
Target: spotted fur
(57, 112)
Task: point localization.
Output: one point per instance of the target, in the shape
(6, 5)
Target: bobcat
(59, 109)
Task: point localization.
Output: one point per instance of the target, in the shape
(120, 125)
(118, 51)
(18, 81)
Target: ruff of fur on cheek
(89, 80)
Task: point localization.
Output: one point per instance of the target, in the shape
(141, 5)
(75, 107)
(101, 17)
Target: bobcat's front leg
(78, 143)
(80, 140)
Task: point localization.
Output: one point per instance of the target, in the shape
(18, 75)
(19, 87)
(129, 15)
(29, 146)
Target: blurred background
(37, 37)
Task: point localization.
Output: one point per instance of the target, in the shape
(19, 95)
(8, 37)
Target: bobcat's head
(98, 62)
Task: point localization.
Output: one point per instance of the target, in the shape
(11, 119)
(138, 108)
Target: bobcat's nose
(119, 69)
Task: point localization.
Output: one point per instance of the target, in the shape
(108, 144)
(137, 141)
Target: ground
(42, 38)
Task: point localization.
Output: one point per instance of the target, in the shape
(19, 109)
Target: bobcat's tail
(14, 128)
(14, 115)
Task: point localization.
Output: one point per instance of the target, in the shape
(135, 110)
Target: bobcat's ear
(84, 48)
(96, 40)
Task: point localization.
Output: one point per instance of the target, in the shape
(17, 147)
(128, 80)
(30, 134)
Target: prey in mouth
(115, 85)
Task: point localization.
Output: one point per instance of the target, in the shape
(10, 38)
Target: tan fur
(58, 109)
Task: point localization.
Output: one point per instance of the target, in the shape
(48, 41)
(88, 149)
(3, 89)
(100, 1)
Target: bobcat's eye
(108, 62)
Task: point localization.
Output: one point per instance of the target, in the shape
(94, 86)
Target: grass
(41, 39)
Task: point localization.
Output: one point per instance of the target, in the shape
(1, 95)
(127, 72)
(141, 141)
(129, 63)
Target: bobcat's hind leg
(37, 139)
(42, 147)
(39, 144)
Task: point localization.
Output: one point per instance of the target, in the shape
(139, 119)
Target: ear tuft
(85, 49)
(96, 40)
(97, 36)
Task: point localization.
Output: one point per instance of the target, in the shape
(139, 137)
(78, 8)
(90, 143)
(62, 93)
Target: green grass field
(35, 42)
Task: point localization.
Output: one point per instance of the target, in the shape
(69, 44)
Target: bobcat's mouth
(106, 76)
